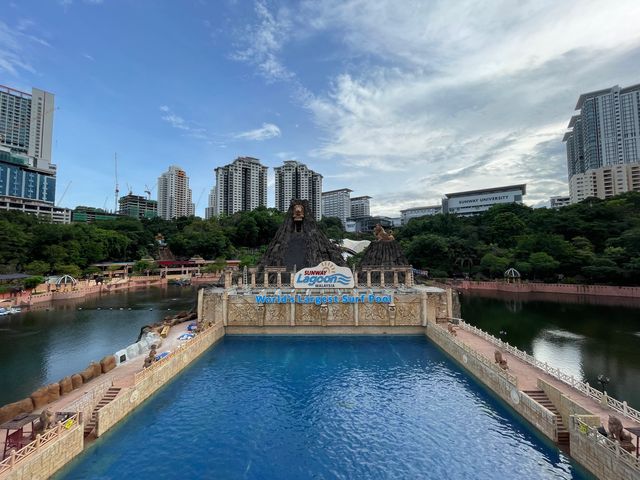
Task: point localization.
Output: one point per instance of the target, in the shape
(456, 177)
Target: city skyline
(340, 95)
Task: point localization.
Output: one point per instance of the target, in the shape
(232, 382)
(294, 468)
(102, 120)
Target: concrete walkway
(527, 376)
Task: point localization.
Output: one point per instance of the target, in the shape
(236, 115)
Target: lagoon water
(320, 408)
(50, 341)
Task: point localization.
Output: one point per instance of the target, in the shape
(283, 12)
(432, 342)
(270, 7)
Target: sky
(401, 101)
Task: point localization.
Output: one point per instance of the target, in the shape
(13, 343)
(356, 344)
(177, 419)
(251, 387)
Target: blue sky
(399, 103)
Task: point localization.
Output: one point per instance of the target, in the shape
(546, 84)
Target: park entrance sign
(325, 275)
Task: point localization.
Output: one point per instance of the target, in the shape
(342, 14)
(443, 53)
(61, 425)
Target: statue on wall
(298, 212)
(382, 235)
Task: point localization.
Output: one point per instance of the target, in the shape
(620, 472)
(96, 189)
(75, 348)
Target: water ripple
(323, 408)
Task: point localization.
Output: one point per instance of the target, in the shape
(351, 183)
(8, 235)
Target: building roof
(573, 121)
(363, 197)
(420, 208)
(13, 276)
(566, 136)
(336, 191)
(522, 187)
(597, 93)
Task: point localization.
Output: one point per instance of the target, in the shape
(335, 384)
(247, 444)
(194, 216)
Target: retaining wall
(596, 290)
(599, 455)
(47, 459)
(154, 377)
(500, 382)
(566, 407)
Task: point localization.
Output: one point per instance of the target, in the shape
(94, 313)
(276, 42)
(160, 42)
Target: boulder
(108, 363)
(54, 392)
(40, 397)
(87, 374)
(66, 385)
(97, 369)
(76, 380)
(11, 410)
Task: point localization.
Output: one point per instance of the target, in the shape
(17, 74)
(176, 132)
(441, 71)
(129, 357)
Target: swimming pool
(323, 407)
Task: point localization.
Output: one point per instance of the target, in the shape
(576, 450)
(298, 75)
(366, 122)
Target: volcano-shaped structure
(299, 242)
(385, 251)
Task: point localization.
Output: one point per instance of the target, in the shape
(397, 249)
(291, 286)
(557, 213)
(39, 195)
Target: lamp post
(603, 381)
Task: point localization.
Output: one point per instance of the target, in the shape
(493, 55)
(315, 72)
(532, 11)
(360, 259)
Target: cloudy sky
(402, 101)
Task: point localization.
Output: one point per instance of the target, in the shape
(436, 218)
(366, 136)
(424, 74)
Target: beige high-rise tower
(174, 194)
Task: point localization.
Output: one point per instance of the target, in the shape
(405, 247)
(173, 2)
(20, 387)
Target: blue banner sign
(324, 299)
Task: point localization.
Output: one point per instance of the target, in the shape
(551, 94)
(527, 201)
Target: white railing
(602, 442)
(479, 357)
(88, 401)
(583, 387)
(41, 440)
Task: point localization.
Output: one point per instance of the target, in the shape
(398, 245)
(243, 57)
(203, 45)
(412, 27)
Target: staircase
(541, 397)
(90, 424)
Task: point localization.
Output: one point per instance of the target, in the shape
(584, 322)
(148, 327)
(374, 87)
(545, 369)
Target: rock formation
(299, 242)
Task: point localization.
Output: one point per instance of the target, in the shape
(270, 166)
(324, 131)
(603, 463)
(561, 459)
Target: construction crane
(129, 189)
(149, 190)
(115, 158)
(104, 205)
(64, 193)
(199, 198)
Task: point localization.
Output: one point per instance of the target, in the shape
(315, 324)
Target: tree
(37, 267)
(494, 265)
(542, 264)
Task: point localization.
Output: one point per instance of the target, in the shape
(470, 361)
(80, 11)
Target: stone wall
(597, 290)
(151, 379)
(497, 380)
(408, 309)
(50, 458)
(601, 456)
(566, 407)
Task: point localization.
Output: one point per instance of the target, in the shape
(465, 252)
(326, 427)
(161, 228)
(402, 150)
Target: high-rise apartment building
(174, 194)
(137, 206)
(240, 186)
(296, 181)
(26, 124)
(605, 133)
(210, 211)
(27, 175)
(605, 182)
(337, 203)
(360, 207)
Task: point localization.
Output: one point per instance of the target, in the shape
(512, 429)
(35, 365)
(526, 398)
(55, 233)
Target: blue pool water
(323, 408)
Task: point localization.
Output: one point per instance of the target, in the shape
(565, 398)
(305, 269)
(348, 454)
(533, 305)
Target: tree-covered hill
(595, 241)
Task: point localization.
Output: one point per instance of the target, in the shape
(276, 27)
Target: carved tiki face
(298, 213)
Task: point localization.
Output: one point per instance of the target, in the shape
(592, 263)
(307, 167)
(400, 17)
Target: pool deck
(528, 375)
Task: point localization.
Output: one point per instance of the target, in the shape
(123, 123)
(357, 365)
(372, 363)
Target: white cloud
(15, 47)
(260, 44)
(88, 57)
(444, 96)
(441, 96)
(267, 131)
(180, 123)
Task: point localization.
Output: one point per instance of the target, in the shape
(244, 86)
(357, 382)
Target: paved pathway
(528, 374)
